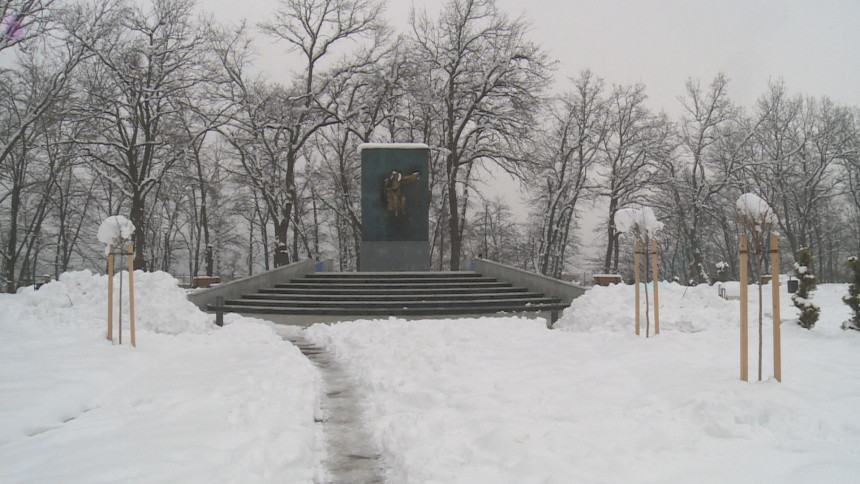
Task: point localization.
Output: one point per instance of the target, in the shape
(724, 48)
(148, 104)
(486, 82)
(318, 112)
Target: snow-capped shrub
(853, 297)
(722, 271)
(804, 267)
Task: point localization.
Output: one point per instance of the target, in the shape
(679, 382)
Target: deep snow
(191, 403)
(476, 400)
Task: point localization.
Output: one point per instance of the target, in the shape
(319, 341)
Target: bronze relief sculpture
(392, 194)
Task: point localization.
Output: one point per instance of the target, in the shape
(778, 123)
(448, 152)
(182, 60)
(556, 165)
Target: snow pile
(80, 299)
(755, 212)
(114, 230)
(638, 221)
(192, 403)
(684, 309)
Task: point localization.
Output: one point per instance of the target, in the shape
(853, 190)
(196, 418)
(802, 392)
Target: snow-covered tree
(274, 124)
(804, 270)
(487, 79)
(643, 225)
(565, 154)
(22, 20)
(853, 297)
(34, 104)
(798, 144)
(634, 140)
(758, 218)
(700, 169)
(130, 101)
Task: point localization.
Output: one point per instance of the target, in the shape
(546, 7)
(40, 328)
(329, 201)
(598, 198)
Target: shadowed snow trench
(352, 457)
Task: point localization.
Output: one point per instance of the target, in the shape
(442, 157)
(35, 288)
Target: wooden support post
(636, 271)
(744, 262)
(110, 294)
(656, 294)
(777, 344)
(131, 292)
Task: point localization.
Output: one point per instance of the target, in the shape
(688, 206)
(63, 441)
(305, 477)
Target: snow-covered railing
(565, 291)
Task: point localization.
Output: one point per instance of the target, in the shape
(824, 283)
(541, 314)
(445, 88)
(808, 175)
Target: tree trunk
(610, 236)
(282, 254)
(12, 242)
(139, 236)
(453, 216)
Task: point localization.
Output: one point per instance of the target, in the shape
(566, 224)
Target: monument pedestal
(395, 207)
(395, 256)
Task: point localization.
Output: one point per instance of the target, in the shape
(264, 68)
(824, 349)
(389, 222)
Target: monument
(395, 207)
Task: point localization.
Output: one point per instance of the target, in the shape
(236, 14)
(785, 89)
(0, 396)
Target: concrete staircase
(332, 296)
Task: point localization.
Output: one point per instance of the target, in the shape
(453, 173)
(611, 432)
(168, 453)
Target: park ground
(469, 400)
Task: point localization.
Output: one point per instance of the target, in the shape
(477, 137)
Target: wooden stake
(131, 291)
(119, 312)
(636, 271)
(777, 344)
(656, 296)
(110, 294)
(744, 309)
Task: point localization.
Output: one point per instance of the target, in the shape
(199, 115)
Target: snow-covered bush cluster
(803, 270)
(853, 297)
(722, 271)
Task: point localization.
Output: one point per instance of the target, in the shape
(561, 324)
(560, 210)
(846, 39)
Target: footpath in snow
(474, 400)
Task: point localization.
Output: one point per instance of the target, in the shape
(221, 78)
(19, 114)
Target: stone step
(392, 275)
(395, 290)
(402, 294)
(387, 296)
(392, 280)
(424, 311)
(387, 285)
(415, 303)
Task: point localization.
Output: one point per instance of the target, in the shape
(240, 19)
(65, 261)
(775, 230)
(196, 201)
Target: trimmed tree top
(115, 230)
(640, 221)
(755, 213)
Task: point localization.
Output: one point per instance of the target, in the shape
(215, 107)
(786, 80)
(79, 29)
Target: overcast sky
(814, 46)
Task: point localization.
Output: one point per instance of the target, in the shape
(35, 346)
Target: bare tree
(495, 234)
(289, 117)
(700, 169)
(56, 58)
(566, 153)
(34, 94)
(634, 141)
(132, 92)
(488, 79)
(799, 145)
(23, 20)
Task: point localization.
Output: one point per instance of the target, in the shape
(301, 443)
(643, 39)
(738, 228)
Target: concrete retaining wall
(565, 291)
(252, 284)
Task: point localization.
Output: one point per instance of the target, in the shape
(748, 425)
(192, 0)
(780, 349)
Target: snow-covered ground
(479, 400)
(192, 403)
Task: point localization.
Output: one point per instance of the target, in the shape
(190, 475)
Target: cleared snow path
(351, 455)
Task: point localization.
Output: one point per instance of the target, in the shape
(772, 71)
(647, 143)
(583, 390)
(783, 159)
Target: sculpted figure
(391, 189)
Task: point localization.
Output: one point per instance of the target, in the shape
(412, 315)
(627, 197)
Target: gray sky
(814, 46)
